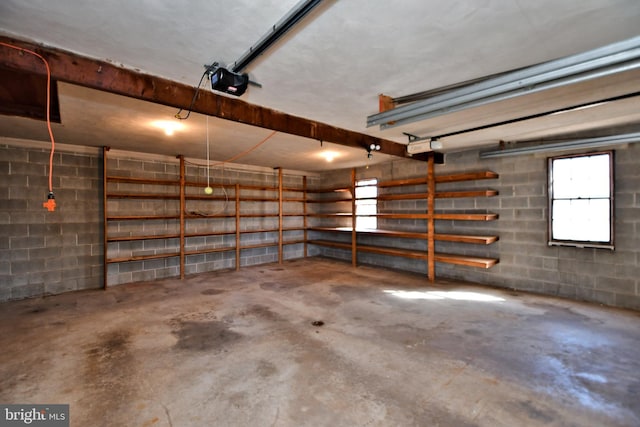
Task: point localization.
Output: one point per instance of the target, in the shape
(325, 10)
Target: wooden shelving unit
(178, 194)
(429, 216)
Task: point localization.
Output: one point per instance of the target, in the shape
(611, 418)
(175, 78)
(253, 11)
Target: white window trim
(580, 243)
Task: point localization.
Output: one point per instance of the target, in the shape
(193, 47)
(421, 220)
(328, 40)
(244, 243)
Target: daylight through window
(580, 200)
(366, 204)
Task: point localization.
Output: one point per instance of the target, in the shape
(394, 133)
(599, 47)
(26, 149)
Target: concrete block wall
(526, 261)
(44, 253)
(41, 252)
(222, 180)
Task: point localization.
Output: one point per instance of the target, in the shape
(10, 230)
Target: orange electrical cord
(244, 153)
(50, 204)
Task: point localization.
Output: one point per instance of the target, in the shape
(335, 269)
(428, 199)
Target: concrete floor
(240, 349)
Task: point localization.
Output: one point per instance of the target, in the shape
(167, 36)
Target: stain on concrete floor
(189, 353)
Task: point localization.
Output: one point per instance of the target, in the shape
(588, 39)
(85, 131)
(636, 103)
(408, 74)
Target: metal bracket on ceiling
(416, 138)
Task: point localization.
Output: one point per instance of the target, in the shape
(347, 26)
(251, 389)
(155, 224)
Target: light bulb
(208, 190)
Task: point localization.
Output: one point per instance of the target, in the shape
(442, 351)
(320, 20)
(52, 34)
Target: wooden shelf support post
(280, 213)
(304, 212)
(431, 230)
(237, 190)
(182, 209)
(104, 217)
(354, 236)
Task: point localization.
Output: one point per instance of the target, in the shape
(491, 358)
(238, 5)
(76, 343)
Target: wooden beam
(95, 74)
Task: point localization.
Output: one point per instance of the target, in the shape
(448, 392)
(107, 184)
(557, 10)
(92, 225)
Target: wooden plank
(462, 194)
(404, 196)
(206, 197)
(467, 216)
(468, 176)
(203, 216)
(334, 200)
(209, 250)
(134, 238)
(484, 240)
(149, 196)
(106, 76)
(259, 245)
(293, 242)
(132, 180)
(405, 253)
(329, 214)
(140, 217)
(329, 243)
(469, 261)
(259, 199)
(329, 190)
(480, 240)
(403, 182)
(142, 257)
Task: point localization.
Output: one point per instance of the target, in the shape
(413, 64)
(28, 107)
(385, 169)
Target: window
(366, 204)
(581, 200)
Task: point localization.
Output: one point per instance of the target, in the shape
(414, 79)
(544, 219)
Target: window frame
(366, 182)
(550, 197)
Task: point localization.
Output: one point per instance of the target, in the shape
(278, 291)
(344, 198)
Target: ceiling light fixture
(329, 155)
(571, 144)
(604, 61)
(169, 127)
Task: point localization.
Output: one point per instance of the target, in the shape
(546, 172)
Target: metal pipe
(616, 57)
(277, 31)
(576, 144)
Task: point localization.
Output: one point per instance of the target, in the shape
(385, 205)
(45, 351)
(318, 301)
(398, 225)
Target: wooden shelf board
(404, 196)
(329, 243)
(484, 240)
(208, 234)
(134, 238)
(206, 197)
(258, 199)
(330, 200)
(259, 245)
(469, 261)
(141, 217)
(461, 238)
(141, 258)
(469, 176)
(292, 242)
(402, 182)
(149, 196)
(330, 190)
(131, 180)
(467, 216)
(461, 194)
(209, 250)
(195, 216)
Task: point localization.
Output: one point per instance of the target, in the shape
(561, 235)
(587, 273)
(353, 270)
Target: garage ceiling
(330, 68)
